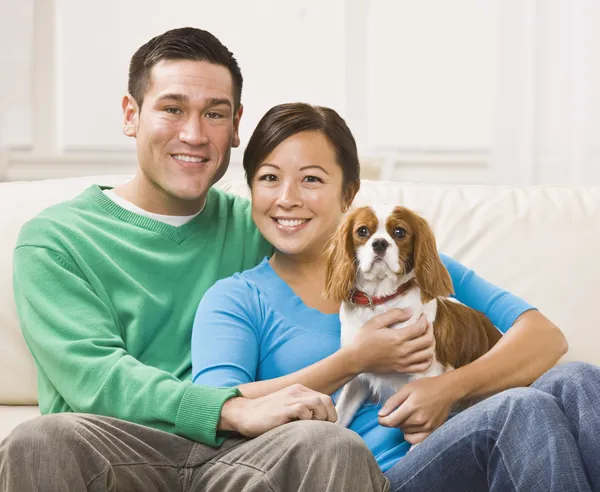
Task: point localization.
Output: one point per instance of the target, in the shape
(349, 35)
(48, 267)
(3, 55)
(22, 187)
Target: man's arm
(78, 346)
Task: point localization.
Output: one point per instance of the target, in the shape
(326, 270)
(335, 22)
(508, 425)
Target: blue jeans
(541, 438)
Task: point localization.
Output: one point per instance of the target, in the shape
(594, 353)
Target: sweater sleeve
(225, 338)
(78, 346)
(502, 307)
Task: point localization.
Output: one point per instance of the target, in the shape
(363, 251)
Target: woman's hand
(419, 407)
(379, 349)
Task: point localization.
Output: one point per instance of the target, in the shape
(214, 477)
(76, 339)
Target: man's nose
(193, 132)
(380, 245)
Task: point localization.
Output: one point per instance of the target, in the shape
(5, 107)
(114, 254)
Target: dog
(385, 257)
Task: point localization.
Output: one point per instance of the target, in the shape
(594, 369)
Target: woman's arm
(227, 334)
(531, 346)
(325, 376)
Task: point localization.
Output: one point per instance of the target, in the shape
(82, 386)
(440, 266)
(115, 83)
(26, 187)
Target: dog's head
(384, 244)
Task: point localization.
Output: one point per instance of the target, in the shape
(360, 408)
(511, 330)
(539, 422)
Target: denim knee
(516, 406)
(576, 371)
(569, 376)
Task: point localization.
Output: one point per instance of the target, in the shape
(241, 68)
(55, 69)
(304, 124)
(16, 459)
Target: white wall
(16, 45)
(471, 91)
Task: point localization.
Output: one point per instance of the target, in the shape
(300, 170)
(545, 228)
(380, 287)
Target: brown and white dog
(385, 257)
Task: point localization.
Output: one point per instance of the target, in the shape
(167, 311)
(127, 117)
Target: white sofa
(540, 243)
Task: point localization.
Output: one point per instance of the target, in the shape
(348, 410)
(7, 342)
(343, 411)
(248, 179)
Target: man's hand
(419, 407)
(253, 417)
(378, 349)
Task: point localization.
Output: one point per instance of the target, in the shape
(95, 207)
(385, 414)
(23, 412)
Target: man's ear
(130, 116)
(235, 141)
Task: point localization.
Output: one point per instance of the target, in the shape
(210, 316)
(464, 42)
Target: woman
(269, 327)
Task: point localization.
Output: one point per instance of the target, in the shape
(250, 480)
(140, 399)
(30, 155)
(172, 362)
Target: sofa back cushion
(20, 202)
(539, 243)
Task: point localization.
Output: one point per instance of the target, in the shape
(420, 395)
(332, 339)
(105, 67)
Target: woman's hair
(284, 120)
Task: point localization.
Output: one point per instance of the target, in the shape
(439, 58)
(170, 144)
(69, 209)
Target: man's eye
(172, 110)
(213, 115)
(362, 231)
(399, 233)
(313, 179)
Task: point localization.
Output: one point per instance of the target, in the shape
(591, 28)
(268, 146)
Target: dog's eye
(362, 231)
(399, 232)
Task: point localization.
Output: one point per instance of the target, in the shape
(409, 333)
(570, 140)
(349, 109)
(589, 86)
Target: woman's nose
(290, 196)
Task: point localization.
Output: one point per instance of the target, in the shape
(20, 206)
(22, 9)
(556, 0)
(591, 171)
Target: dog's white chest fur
(379, 387)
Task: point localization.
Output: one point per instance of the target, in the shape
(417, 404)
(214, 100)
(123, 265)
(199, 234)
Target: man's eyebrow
(314, 166)
(217, 101)
(213, 101)
(174, 97)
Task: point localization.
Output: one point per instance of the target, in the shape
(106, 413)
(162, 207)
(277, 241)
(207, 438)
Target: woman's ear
(340, 272)
(431, 274)
(350, 192)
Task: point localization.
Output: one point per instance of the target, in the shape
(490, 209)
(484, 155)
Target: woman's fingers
(424, 341)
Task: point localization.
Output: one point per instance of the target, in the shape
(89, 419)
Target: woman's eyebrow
(313, 166)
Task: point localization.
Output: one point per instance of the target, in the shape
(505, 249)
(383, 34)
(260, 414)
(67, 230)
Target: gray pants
(75, 452)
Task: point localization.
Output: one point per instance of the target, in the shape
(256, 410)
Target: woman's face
(297, 194)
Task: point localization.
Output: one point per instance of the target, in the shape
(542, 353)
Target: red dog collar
(359, 298)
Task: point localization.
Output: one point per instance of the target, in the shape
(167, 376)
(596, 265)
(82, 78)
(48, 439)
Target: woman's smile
(290, 224)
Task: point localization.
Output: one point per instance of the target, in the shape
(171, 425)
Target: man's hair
(285, 120)
(186, 43)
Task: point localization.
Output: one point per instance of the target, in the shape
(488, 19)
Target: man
(106, 287)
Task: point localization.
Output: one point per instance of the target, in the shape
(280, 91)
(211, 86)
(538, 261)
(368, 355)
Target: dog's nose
(380, 245)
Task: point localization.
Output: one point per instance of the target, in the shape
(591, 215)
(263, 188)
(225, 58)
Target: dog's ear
(431, 274)
(340, 274)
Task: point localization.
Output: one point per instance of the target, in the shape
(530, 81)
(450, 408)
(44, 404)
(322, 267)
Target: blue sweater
(252, 327)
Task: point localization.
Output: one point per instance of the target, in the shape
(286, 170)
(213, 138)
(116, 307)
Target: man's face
(184, 133)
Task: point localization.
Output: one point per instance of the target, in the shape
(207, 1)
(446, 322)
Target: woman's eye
(313, 179)
(268, 177)
(399, 233)
(362, 231)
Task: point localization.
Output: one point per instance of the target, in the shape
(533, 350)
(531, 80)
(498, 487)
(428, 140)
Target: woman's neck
(294, 266)
(306, 277)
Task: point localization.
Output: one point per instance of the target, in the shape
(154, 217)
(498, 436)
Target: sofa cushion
(20, 202)
(540, 243)
(11, 416)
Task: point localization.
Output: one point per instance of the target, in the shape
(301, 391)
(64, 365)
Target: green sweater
(107, 298)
